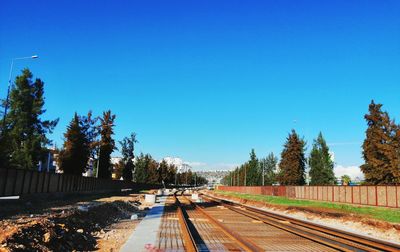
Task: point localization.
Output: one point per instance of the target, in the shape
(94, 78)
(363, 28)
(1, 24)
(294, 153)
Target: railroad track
(237, 227)
(333, 238)
(192, 237)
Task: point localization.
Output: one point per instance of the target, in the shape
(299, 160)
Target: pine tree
(268, 166)
(293, 161)
(152, 170)
(23, 138)
(253, 170)
(76, 150)
(321, 165)
(140, 173)
(107, 144)
(127, 151)
(172, 171)
(381, 148)
(92, 130)
(163, 171)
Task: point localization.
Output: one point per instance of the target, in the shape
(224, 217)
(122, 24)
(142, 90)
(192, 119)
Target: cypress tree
(172, 170)
(107, 144)
(381, 148)
(146, 169)
(127, 150)
(163, 171)
(268, 167)
(75, 154)
(321, 165)
(253, 174)
(140, 174)
(23, 139)
(293, 161)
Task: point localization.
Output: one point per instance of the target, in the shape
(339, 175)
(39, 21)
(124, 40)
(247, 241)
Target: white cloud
(353, 171)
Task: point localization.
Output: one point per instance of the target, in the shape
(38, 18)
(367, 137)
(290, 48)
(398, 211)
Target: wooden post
(15, 182)
(5, 183)
(352, 195)
(30, 182)
(23, 183)
(386, 198)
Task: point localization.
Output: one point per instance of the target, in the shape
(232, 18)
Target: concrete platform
(144, 237)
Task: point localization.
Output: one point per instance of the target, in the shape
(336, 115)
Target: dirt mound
(68, 230)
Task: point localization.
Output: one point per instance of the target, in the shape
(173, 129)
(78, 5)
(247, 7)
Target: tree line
(380, 150)
(88, 141)
(291, 169)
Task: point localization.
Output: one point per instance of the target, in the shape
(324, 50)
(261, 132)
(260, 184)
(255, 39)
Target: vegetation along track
(333, 238)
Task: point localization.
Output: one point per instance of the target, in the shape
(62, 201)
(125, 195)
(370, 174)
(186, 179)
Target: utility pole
(9, 87)
(245, 175)
(263, 166)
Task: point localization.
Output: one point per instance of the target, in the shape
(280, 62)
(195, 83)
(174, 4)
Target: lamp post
(9, 85)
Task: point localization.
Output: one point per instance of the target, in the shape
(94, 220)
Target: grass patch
(380, 213)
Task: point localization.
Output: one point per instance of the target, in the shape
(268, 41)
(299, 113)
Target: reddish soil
(86, 226)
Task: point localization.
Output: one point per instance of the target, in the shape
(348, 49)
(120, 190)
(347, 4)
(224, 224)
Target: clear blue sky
(209, 80)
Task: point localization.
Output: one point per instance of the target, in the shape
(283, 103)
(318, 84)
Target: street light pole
(245, 176)
(9, 86)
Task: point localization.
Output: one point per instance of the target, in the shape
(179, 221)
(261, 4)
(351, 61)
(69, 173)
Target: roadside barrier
(15, 182)
(386, 196)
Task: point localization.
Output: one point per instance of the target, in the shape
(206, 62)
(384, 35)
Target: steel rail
(246, 244)
(339, 236)
(189, 241)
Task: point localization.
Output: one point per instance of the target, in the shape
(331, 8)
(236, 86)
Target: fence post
(58, 182)
(37, 181)
(48, 183)
(23, 182)
(5, 183)
(386, 198)
(376, 195)
(30, 181)
(44, 180)
(15, 182)
(352, 195)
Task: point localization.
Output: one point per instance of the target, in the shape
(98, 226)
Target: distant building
(49, 163)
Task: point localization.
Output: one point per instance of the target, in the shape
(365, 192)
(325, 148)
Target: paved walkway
(146, 233)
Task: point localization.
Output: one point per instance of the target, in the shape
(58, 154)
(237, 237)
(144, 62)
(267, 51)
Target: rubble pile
(64, 230)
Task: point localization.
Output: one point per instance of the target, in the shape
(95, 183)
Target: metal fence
(386, 196)
(21, 182)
